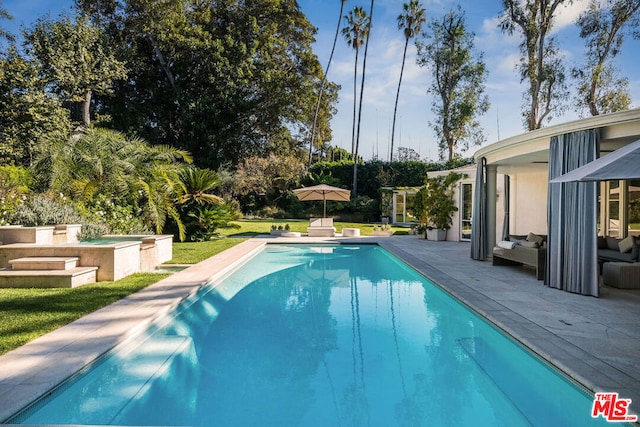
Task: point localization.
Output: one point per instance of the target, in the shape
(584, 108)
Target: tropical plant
(410, 22)
(458, 83)
(540, 62)
(434, 202)
(602, 28)
(105, 162)
(324, 79)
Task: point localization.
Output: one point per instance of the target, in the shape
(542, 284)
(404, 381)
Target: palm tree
(355, 33)
(364, 69)
(324, 80)
(410, 21)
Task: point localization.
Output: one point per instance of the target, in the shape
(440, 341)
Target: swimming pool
(319, 335)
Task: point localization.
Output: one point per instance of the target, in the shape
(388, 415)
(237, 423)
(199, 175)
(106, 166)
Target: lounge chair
(321, 227)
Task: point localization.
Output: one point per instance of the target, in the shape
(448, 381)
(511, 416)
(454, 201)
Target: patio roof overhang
(531, 149)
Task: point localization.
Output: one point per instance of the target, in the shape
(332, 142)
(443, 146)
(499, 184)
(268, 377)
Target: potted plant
(435, 203)
(382, 230)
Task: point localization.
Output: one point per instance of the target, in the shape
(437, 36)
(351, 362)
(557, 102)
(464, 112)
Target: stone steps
(44, 263)
(46, 272)
(70, 278)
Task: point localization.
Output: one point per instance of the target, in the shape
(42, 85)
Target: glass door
(466, 211)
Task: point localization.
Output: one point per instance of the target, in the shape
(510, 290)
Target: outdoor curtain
(571, 216)
(507, 198)
(479, 215)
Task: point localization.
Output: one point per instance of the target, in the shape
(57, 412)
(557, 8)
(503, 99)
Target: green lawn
(249, 228)
(194, 252)
(26, 314)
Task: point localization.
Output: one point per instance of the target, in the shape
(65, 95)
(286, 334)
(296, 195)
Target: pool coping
(28, 372)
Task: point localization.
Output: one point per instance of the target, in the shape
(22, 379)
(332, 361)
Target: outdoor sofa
(620, 263)
(528, 250)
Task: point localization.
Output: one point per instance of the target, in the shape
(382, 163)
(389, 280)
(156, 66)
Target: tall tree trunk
(324, 80)
(86, 108)
(395, 108)
(364, 69)
(355, 104)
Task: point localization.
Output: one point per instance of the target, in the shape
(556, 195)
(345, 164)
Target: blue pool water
(319, 336)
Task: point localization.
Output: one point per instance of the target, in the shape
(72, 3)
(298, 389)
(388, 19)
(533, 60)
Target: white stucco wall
(528, 205)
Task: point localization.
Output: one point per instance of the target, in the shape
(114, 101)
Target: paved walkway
(595, 340)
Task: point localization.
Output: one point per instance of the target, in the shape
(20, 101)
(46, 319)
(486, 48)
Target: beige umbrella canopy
(323, 192)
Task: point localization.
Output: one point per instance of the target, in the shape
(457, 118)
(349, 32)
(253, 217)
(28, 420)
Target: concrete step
(71, 278)
(44, 263)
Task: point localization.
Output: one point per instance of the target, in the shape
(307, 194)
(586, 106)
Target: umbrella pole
(324, 199)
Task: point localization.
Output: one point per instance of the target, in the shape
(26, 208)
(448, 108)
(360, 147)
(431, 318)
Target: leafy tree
(540, 63)
(76, 59)
(355, 32)
(602, 28)
(27, 111)
(5, 15)
(458, 83)
(225, 79)
(406, 154)
(268, 178)
(324, 79)
(411, 20)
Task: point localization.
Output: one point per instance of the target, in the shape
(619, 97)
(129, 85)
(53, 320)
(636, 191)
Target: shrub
(14, 188)
(116, 214)
(43, 210)
(91, 231)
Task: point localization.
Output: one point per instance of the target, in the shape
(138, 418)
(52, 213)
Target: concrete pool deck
(594, 340)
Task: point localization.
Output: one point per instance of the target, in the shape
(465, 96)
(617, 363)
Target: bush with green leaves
(45, 210)
(205, 220)
(92, 231)
(15, 182)
(118, 216)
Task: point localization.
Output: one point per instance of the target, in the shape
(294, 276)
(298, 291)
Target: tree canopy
(225, 80)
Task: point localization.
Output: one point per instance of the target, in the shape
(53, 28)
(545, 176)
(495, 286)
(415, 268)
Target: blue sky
(383, 69)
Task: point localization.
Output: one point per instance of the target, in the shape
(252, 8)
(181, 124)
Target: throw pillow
(515, 237)
(602, 242)
(626, 244)
(635, 252)
(535, 238)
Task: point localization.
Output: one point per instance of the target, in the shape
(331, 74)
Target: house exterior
(525, 160)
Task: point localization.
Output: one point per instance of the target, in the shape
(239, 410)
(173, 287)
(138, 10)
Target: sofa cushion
(614, 255)
(535, 238)
(635, 251)
(625, 245)
(602, 242)
(516, 237)
(528, 244)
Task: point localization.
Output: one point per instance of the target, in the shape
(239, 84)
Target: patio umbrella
(323, 192)
(620, 164)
